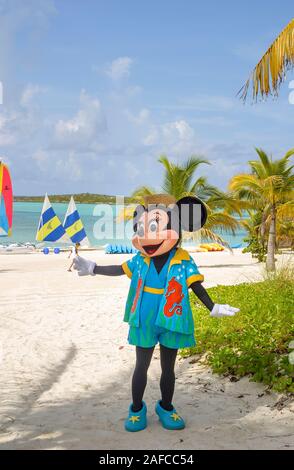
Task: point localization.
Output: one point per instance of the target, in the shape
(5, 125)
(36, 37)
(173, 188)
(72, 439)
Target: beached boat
(50, 229)
(73, 225)
(6, 201)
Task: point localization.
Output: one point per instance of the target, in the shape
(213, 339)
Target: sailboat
(6, 202)
(73, 225)
(50, 228)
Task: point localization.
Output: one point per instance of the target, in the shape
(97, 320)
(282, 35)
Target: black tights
(167, 380)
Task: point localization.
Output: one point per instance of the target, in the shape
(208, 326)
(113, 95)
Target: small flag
(74, 225)
(50, 228)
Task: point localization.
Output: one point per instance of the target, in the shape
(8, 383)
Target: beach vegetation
(81, 198)
(269, 189)
(257, 341)
(254, 242)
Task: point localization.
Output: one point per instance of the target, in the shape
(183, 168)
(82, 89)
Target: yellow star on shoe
(175, 417)
(134, 419)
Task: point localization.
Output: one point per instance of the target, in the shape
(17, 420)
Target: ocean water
(98, 221)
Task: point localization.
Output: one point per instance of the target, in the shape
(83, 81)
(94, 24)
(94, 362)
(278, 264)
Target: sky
(95, 91)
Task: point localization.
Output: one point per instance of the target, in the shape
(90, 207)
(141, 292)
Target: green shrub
(255, 247)
(256, 341)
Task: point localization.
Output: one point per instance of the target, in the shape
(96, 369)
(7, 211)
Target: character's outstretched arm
(202, 295)
(216, 310)
(113, 270)
(86, 267)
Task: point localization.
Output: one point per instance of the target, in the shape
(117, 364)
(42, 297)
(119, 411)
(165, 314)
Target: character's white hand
(219, 311)
(85, 267)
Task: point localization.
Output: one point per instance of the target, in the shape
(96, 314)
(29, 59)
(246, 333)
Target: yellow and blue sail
(73, 225)
(50, 228)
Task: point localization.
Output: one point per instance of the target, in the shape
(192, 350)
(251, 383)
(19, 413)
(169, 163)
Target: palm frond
(262, 167)
(177, 178)
(139, 194)
(222, 221)
(247, 183)
(289, 153)
(230, 202)
(202, 189)
(286, 211)
(270, 71)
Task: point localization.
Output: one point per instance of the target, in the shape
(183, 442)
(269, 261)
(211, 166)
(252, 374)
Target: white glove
(219, 311)
(85, 267)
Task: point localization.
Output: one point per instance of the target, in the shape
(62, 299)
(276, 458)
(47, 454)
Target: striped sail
(74, 225)
(6, 201)
(50, 228)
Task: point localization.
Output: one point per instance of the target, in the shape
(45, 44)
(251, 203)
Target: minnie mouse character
(158, 308)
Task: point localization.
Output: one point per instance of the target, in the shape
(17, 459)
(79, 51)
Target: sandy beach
(66, 366)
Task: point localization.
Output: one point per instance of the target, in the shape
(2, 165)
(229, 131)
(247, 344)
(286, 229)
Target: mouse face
(154, 234)
(158, 227)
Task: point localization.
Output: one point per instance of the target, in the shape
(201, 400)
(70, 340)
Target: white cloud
(119, 68)
(29, 93)
(171, 134)
(174, 138)
(87, 123)
(68, 167)
(18, 125)
(6, 136)
(177, 130)
(139, 119)
(151, 138)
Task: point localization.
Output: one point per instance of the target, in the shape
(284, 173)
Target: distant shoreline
(81, 198)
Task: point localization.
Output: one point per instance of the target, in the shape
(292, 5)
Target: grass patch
(255, 342)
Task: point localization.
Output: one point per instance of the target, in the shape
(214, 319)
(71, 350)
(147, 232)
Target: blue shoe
(137, 420)
(169, 419)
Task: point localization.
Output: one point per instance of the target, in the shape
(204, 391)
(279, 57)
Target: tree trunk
(271, 246)
(262, 229)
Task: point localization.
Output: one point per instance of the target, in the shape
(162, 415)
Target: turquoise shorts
(148, 334)
(169, 339)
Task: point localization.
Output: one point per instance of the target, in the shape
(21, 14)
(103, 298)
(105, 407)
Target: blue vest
(174, 313)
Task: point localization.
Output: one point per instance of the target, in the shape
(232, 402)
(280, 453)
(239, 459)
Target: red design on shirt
(138, 290)
(174, 296)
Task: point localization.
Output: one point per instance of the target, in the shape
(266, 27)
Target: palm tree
(270, 187)
(179, 181)
(271, 70)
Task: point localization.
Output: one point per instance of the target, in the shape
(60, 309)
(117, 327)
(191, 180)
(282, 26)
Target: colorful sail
(74, 225)
(50, 228)
(6, 201)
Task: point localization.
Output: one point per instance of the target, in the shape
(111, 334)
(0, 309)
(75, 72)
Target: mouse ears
(193, 213)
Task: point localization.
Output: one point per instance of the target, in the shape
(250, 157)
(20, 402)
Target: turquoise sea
(99, 225)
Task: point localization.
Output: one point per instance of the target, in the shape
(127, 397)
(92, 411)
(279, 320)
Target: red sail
(6, 195)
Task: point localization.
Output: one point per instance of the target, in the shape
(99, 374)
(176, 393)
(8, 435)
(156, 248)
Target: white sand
(66, 366)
